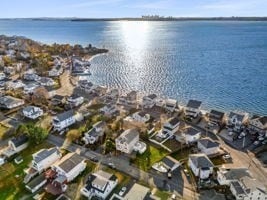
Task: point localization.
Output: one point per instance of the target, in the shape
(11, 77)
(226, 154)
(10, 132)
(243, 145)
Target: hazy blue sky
(131, 8)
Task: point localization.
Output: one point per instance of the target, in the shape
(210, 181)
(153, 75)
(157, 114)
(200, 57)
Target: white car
(122, 191)
(261, 138)
(226, 156)
(256, 142)
(230, 133)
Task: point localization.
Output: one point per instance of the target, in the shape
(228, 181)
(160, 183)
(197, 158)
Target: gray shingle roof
(191, 131)
(238, 116)
(216, 114)
(65, 115)
(129, 134)
(194, 104)
(173, 121)
(44, 153)
(200, 160)
(208, 143)
(71, 162)
(18, 141)
(238, 188)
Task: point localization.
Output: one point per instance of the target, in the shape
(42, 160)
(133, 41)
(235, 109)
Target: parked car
(94, 159)
(261, 138)
(256, 142)
(122, 191)
(227, 157)
(186, 172)
(111, 165)
(230, 133)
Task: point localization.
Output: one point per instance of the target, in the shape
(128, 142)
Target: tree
(73, 134)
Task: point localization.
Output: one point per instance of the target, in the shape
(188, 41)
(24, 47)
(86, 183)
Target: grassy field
(149, 157)
(12, 175)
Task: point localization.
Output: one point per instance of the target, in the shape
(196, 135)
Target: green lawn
(12, 175)
(162, 194)
(149, 157)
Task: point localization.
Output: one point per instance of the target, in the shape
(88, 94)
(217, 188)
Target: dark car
(94, 159)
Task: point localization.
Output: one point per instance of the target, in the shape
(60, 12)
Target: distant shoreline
(145, 19)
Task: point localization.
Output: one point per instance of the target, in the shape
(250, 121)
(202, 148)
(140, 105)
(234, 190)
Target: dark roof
(58, 97)
(65, 115)
(142, 113)
(200, 160)
(239, 117)
(169, 161)
(191, 131)
(216, 114)
(71, 162)
(238, 187)
(208, 143)
(194, 104)
(44, 153)
(36, 181)
(173, 121)
(152, 96)
(263, 120)
(18, 141)
(129, 135)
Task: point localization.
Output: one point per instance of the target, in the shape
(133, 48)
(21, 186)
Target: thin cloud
(92, 3)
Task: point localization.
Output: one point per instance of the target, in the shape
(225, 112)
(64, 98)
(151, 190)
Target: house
(137, 191)
(64, 171)
(169, 128)
(208, 146)
(226, 176)
(96, 132)
(109, 110)
(171, 104)
(9, 102)
(86, 85)
(16, 145)
(64, 120)
(192, 108)
(200, 165)
(45, 81)
(30, 75)
(216, 117)
(55, 71)
(29, 88)
(140, 147)
(170, 163)
(113, 93)
(36, 183)
(237, 190)
(16, 84)
(9, 70)
(74, 100)
(258, 124)
(58, 99)
(32, 112)
(44, 158)
(236, 120)
(129, 99)
(2, 76)
(149, 101)
(99, 184)
(141, 117)
(127, 140)
(188, 135)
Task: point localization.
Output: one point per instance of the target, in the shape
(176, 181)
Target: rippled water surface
(224, 64)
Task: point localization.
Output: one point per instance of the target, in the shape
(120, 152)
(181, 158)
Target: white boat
(160, 167)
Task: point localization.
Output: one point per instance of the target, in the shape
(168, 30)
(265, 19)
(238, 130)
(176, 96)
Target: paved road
(177, 186)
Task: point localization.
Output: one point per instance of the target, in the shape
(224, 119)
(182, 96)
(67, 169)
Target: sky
(131, 8)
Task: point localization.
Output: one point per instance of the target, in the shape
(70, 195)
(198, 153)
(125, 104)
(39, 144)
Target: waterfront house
(74, 100)
(129, 99)
(86, 86)
(112, 94)
(192, 108)
(149, 101)
(16, 145)
(32, 112)
(258, 124)
(171, 104)
(237, 120)
(44, 158)
(127, 140)
(140, 117)
(169, 128)
(9, 102)
(216, 117)
(45, 81)
(64, 120)
(96, 132)
(99, 184)
(36, 183)
(208, 146)
(200, 165)
(188, 135)
(109, 110)
(64, 171)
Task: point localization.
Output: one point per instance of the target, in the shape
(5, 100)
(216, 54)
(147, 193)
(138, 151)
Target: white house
(16, 84)
(169, 128)
(30, 75)
(29, 88)
(109, 110)
(16, 145)
(258, 124)
(93, 135)
(208, 146)
(32, 112)
(99, 184)
(36, 183)
(201, 165)
(188, 135)
(64, 120)
(236, 120)
(137, 192)
(45, 81)
(149, 101)
(171, 104)
(192, 108)
(9, 102)
(44, 158)
(140, 116)
(75, 100)
(70, 166)
(226, 176)
(127, 140)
